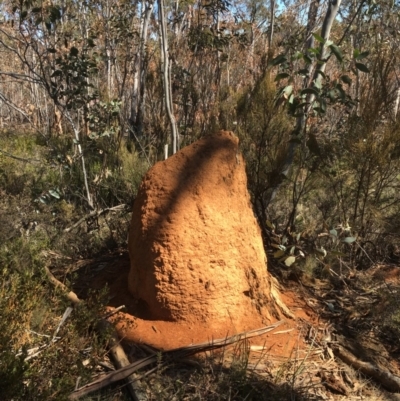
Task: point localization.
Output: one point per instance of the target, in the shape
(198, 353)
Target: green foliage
(30, 310)
(263, 128)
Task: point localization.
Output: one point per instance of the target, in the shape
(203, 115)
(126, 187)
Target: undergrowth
(39, 200)
(331, 217)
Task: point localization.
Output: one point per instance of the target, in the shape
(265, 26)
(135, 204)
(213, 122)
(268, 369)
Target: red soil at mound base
(169, 335)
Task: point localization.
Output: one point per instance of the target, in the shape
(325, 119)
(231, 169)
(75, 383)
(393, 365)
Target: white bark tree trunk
(167, 76)
(139, 73)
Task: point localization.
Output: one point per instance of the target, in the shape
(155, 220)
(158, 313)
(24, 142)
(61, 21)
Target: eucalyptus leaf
(270, 225)
(282, 75)
(346, 79)
(287, 91)
(278, 246)
(311, 91)
(319, 38)
(362, 55)
(348, 240)
(278, 254)
(290, 260)
(336, 51)
(54, 194)
(318, 84)
(278, 60)
(362, 67)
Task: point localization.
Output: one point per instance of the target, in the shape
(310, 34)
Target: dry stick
(382, 376)
(175, 354)
(95, 213)
(21, 159)
(116, 350)
(113, 312)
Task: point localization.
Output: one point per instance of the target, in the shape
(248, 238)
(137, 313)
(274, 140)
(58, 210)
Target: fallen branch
(95, 213)
(388, 380)
(113, 312)
(32, 161)
(32, 353)
(116, 351)
(58, 284)
(163, 357)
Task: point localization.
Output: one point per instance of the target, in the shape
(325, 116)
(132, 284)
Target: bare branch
(32, 161)
(20, 77)
(96, 213)
(175, 354)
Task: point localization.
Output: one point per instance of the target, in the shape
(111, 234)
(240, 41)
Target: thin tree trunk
(138, 91)
(76, 130)
(271, 30)
(167, 76)
(396, 103)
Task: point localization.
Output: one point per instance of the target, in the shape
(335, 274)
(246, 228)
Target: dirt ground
(133, 325)
(302, 341)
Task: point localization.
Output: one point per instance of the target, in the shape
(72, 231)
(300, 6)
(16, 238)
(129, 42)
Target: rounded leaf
(278, 254)
(290, 260)
(346, 79)
(333, 232)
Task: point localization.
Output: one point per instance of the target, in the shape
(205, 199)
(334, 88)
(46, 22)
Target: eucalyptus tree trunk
(138, 91)
(166, 71)
(311, 25)
(396, 104)
(271, 29)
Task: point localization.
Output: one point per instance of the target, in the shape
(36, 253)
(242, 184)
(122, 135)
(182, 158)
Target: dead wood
(31, 161)
(115, 349)
(96, 213)
(388, 380)
(176, 354)
(58, 284)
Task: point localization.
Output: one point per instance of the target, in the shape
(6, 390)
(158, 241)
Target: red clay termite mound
(195, 246)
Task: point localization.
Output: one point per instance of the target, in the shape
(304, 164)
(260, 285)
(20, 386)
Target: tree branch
(96, 213)
(32, 161)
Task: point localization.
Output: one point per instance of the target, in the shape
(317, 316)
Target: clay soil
(134, 326)
(300, 341)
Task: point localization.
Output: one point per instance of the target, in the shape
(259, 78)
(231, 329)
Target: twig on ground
(175, 354)
(382, 376)
(113, 312)
(115, 348)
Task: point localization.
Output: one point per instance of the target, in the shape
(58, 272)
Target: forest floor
(340, 329)
(342, 344)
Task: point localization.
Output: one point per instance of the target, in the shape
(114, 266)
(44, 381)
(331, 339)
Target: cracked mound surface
(196, 251)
